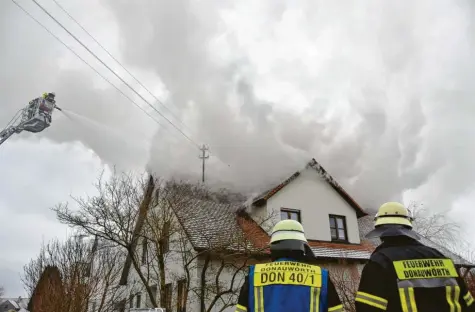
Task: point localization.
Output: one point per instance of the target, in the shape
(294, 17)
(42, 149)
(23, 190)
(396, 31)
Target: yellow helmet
(393, 213)
(288, 229)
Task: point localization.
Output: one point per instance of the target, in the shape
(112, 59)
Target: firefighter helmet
(393, 213)
(288, 241)
(288, 230)
(393, 219)
(48, 95)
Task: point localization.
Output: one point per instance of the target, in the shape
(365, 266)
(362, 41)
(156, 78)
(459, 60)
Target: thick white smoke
(378, 92)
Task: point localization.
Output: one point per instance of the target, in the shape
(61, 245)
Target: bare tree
(2, 291)
(116, 215)
(148, 218)
(176, 205)
(469, 278)
(85, 273)
(346, 277)
(223, 259)
(134, 214)
(435, 225)
(106, 270)
(160, 232)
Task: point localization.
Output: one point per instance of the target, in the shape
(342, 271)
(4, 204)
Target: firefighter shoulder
(289, 282)
(405, 275)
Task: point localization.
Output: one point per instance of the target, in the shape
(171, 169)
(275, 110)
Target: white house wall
(174, 271)
(316, 200)
(226, 281)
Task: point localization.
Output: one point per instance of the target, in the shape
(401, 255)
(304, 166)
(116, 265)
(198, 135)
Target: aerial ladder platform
(34, 118)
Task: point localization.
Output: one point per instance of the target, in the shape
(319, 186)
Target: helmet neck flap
(393, 230)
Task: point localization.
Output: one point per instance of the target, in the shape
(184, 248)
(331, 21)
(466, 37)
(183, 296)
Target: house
(9, 305)
(327, 212)
(13, 304)
(335, 226)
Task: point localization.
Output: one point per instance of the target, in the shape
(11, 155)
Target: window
(165, 244)
(144, 250)
(87, 269)
(120, 306)
(154, 290)
(181, 297)
(338, 228)
(94, 306)
(293, 214)
(131, 301)
(139, 298)
(168, 296)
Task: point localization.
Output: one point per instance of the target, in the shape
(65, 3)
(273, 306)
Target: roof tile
(336, 250)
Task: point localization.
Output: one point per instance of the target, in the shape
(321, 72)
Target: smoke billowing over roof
(379, 93)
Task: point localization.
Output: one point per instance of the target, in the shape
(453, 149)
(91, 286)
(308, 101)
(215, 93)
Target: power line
(97, 72)
(121, 65)
(85, 62)
(111, 70)
(118, 62)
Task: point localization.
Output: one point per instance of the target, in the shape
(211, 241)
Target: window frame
(290, 211)
(144, 251)
(154, 291)
(168, 296)
(165, 241)
(138, 300)
(181, 295)
(345, 228)
(131, 299)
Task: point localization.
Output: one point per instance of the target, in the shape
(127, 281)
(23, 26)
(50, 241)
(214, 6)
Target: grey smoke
(389, 99)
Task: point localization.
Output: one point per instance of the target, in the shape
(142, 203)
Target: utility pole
(203, 157)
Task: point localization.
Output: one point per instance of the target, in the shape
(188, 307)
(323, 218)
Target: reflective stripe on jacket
(405, 276)
(287, 286)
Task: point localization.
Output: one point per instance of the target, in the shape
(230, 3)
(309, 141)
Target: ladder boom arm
(8, 132)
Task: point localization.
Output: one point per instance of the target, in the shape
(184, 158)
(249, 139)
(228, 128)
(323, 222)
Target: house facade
(13, 304)
(222, 239)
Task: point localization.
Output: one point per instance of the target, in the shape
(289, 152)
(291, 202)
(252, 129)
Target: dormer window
(293, 214)
(338, 228)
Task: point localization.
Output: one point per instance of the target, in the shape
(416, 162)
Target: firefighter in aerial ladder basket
(44, 108)
(405, 275)
(289, 282)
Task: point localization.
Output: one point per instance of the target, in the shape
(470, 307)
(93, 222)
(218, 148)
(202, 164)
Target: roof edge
(261, 200)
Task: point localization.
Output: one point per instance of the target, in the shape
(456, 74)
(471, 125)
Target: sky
(378, 92)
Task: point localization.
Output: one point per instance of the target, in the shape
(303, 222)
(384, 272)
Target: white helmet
(393, 219)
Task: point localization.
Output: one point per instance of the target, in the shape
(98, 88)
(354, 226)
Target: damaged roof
(210, 225)
(313, 164)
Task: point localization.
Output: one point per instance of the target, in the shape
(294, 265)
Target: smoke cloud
(379, 93)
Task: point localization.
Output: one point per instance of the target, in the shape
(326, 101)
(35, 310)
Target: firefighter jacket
(404, 275)
(287, 285)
